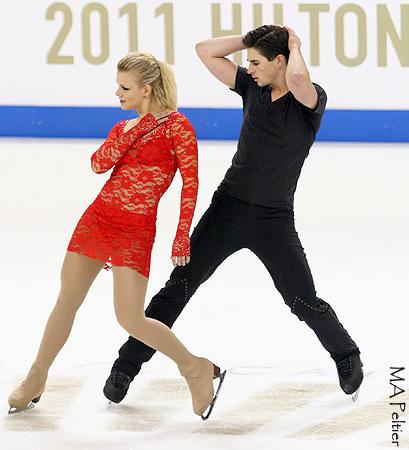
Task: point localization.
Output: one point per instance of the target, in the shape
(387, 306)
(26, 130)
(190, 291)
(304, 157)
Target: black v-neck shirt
(275, 138)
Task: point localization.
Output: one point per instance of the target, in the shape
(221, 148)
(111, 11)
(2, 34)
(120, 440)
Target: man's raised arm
(297, 75)
(213, 52)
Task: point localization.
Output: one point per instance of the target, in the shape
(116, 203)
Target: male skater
(253, 207)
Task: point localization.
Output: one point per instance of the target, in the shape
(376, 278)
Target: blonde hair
(158, 74)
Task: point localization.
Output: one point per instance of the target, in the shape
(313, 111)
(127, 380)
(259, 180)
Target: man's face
(264, 72)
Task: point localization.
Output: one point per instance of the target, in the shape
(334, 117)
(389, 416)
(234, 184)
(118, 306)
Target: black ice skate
(116, 386)
(205, 415)
(350, 374)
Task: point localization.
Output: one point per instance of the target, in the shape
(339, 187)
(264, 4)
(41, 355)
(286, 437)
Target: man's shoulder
(322, 95)
(243, 80)
(322, 98)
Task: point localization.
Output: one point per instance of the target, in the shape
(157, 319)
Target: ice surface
(281, 390)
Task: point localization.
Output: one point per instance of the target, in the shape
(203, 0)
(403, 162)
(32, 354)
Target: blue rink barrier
(209, 123)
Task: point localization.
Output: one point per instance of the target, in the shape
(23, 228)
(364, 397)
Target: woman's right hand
(161, 116)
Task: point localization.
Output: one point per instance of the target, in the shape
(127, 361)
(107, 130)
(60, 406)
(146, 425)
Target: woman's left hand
(180, 260)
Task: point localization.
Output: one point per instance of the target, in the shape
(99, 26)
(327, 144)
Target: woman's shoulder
(177, 118)
(121, 124)
(119, 127)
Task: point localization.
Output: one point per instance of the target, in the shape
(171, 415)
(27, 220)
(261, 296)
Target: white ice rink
(281, 390)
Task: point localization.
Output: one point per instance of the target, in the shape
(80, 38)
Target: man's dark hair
(269, 40)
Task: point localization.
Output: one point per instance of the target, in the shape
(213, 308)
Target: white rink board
(358, 51)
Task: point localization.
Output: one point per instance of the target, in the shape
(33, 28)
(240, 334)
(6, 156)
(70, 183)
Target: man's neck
(278, 91)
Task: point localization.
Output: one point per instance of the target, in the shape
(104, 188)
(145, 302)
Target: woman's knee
(68, 303)
(130, 319)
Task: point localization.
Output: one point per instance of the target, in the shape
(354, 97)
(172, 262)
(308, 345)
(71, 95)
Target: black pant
(229, 225)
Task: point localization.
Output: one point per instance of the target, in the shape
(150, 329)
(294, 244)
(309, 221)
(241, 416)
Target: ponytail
(169, 86)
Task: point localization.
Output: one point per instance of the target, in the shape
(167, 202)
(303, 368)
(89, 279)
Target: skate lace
(120, 380)
(344, 368)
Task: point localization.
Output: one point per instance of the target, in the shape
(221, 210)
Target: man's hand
(293, 40)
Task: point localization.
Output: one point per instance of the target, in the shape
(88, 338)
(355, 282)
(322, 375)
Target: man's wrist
(294, 47)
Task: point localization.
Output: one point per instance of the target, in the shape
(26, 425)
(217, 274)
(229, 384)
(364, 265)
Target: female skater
(118, 229)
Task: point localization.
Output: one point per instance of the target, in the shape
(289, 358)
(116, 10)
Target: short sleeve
(314, 116)
(243, 80)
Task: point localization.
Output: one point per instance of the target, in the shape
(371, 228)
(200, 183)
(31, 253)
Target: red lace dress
(119, 227)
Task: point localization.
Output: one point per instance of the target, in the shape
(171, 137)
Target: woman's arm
(117, 144)
(185, 147)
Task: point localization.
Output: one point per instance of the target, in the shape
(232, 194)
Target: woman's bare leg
(129, 298)
(77, 275)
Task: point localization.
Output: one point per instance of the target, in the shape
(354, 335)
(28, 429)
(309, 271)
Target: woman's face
(129, 92)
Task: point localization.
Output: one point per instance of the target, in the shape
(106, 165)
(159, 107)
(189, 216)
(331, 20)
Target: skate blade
(14, 410)
(109, 404)
(355, 395)
(211, 406)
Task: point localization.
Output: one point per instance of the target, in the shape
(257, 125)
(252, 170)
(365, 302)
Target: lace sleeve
(117, 143)
(185, 146)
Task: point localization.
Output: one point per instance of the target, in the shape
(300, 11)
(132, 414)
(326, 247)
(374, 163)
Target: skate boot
(350, 374)
(29, 391)
(200, 382)
(117, 385)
